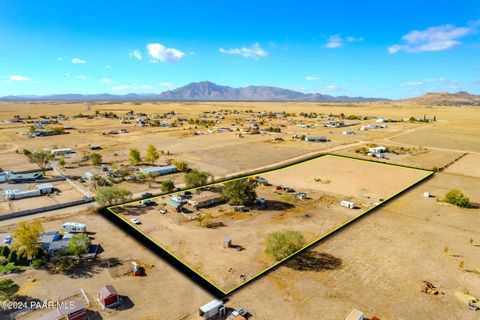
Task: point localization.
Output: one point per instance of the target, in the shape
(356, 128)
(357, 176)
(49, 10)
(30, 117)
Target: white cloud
(354, 39)
(312, 78)
(106, 80)
(107, 66)
(436, 38)
(334, 41)
(159, 52)
(254, 51)
(60, 59)
(166, 84)
(66, 74)
(78, 61)
(82, 77)
(332, 87)
(135, 54)
(413, 83)
(18, 78)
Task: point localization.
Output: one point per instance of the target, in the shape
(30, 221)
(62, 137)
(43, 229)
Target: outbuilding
(108, 296)
(71, 310)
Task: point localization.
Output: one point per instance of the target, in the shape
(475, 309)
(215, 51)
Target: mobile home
(61, 151)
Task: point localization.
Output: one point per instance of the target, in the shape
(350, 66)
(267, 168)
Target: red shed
(108, 296)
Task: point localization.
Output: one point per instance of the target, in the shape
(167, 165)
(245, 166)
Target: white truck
(212, 309)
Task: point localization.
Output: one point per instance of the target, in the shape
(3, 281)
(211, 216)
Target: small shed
(426, 194)
(174, 204)
(108, 296)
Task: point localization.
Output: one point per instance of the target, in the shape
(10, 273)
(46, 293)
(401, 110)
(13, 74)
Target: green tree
(134, 157)
(13, 257)
(63, 261)
(62, 162)
(107, 196)
(181, 166)
(32, 129)
(196, 178)
(8, 289)
(40, 158)
(168, 186)
(239, 192)
(96, 158)
(152, 154)
(79, 244)
(282, 244)
(5, 251)
(26, 238)
(456, 197)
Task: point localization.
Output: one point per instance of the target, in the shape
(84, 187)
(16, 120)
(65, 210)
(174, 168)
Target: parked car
(148, 202)
(135, 221)
(8, 239)
(147, 195)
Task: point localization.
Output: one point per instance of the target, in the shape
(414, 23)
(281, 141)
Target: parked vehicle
(74, 227)
(8, 239)
(147, 195)
(148, 202)
(135, 221)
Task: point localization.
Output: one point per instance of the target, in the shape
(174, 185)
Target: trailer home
(61, 151)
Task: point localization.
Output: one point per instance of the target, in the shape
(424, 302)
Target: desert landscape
(363, 266)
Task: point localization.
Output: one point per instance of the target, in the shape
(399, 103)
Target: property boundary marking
(429, 173)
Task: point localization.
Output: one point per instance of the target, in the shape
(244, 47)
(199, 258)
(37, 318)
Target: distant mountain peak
(460, 98)
(202, 91)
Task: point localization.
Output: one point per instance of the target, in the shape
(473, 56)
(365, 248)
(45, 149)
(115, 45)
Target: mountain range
(461, 98)
(209, 91)
(200, 91)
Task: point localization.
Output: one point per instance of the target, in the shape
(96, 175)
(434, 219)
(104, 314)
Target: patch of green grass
(288, 198)
(9, 267)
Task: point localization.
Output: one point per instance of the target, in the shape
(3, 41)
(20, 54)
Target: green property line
(312, 243)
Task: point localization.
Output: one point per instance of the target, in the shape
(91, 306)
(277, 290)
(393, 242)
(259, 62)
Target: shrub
(282, 244)
(456, 197)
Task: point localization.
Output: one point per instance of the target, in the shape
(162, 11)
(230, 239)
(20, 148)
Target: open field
(376, 264)
(327, 181)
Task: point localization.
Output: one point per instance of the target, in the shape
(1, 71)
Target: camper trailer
(347, 204)
(74, 227)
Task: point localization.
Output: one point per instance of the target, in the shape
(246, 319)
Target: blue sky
(367, 48)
